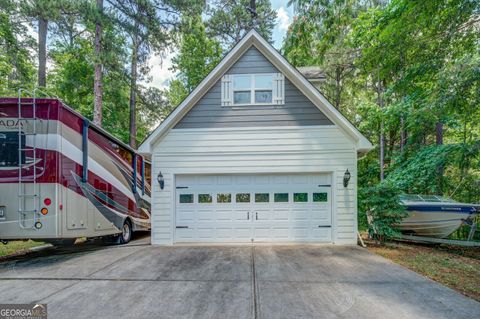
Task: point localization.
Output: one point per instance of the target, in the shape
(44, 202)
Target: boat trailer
(431, 240)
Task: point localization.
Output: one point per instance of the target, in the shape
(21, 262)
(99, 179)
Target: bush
(381, 205)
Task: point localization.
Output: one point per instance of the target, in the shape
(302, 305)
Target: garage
(255, 153)
(260, 208)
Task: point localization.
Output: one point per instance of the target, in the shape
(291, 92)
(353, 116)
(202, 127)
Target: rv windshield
(9, 149)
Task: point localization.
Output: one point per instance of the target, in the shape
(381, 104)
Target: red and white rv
(62, 177)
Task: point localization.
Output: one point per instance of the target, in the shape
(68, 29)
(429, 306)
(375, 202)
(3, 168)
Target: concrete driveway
(301, 281)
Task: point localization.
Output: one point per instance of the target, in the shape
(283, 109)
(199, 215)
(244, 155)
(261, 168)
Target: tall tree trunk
(133, 86)
(439, 133)
(98, 81)
(338, 92)
(391, 145)
(403, 135)
(382, 151)
(440, 168)
(382, 133)
(42, 51)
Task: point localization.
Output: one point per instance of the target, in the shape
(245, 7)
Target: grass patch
(18, 246)
(455, 267)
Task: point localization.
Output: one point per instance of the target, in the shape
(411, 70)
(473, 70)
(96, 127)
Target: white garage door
(262, 208)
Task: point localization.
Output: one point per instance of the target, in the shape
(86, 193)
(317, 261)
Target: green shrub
(381, 205)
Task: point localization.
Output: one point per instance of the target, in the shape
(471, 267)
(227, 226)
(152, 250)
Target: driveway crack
(255, 310)
(56, 292)
(114, 262)
(89, 275)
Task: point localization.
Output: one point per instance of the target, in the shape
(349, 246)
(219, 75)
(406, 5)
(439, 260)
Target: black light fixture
(160, 180)
(346, 178)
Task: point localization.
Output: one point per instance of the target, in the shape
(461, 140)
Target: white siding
(314, 149)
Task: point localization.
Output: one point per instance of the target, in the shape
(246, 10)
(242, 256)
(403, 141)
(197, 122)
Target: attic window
(263, 88)
(253, 89)
(242, 89)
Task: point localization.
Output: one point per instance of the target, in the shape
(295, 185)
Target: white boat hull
(433, 224)
(434, 216)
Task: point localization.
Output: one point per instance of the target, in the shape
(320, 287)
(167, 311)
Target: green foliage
(299, 45)
(198, 54)
(398, 68)
(72, 75)
(320, 35)
(148, 27)
(176, 92)
(381, 205)
(132, 30)
(72, 72)
(47, 9)
(204, 38)
(418, 173)
(16, 67)
(229, 20)
(153, 108)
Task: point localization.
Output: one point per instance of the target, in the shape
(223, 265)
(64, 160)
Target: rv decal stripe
(55, 142)
(111, 214)
(105, 198)
(64, 177)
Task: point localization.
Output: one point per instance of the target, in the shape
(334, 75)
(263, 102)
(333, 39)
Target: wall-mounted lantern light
(346, 178)
(160, 180)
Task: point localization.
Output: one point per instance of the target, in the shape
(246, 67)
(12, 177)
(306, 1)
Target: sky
(159, 66)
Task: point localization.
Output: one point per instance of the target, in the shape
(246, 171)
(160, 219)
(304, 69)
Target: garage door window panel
(186, 198)
(262, 197)
(204, 198)
(224, 198)
(320, 197)
(243, 198)
(280, 198)
(300, 197)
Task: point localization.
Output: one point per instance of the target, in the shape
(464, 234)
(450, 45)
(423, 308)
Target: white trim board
(253, 38)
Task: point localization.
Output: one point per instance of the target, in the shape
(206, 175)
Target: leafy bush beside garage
(380, 210)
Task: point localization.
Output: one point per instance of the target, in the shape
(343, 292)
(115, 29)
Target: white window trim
(252, 89)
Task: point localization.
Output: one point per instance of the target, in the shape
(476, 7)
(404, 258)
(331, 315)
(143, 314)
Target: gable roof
(255, 39)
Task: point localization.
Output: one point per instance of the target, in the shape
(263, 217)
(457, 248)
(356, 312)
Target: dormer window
(253, 89)
(242, 89)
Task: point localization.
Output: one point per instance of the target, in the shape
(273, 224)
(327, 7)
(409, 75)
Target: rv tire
(126, 234)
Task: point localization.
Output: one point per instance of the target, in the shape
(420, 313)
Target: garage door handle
(256, 215)
(324, 226)
(248, 215)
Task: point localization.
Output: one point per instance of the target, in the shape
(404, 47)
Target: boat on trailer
(62, 177)
(435, 216)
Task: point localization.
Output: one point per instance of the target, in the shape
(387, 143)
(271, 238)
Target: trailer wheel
(126, 234)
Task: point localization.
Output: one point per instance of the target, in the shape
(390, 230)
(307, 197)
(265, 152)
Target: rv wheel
(126, 234)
